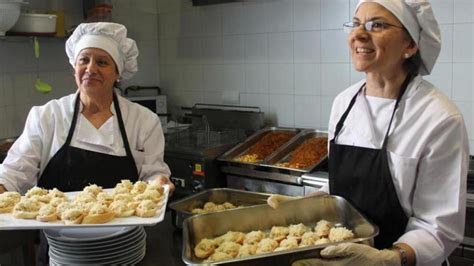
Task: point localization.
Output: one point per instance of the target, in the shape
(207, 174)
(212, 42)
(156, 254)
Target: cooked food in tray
(214, 207)
(307, 154)
(238, 244)
(92, 205)
(265, 146)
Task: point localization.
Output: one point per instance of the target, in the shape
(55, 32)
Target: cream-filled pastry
(122, 208)
(98, 214)
(36, 191)
(73, 215)
(56, 193)
(6, 204)
(47, 213)
(26, 209)
(139, 187)
(94, 189)
(146, 208)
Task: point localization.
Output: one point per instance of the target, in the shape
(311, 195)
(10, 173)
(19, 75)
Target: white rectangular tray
(8, 222)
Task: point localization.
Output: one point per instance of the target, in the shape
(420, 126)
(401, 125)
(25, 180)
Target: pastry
(72, 215)
(231, 236)
(157, 187)
(308, 239)
(247, 250)
(146, 208)
(322, 228)
(228, 205)
(340, 234)
(138, 188)
(230, 248)
(56, 193)
(56, 201)
(254, 237)
(322, 241)
(6, 204)
(297, 230)
(93, 189)
(152, 195)
(105, 198)
(218, 256)
(98, 214)
(126, 184)
(279, 232)
(122, 208)
(36, 191)
(266, 245)
(47, 213)
(42, 199)
(287, 243)
(205, 248)
(26, 209)
(15, 196)
(62, 207)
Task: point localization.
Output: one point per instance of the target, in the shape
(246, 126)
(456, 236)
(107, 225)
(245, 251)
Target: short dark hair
(412, 64)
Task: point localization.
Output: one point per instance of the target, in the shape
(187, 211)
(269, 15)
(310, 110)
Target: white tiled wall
(289, 57)
(18, 64)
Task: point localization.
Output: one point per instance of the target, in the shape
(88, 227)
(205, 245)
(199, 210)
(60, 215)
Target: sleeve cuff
(427, 250)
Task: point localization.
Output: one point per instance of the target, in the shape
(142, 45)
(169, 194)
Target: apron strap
(119, 119)
(74, 120)
(344, 116)
(122, 127)
(405, 83)
(340, 124)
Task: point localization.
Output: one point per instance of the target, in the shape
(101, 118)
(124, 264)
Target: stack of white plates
(96, 245)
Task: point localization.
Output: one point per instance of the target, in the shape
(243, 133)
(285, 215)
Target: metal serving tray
(242, 148)
(262, 217)
(283, 154)
(182, 209)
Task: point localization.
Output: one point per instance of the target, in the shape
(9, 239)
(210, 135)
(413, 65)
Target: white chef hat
(110, 37)
(418, 18)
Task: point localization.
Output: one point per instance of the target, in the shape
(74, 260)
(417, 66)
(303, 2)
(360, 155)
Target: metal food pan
(262, 217)
(284, 153)
(242, 148)
(182, 209)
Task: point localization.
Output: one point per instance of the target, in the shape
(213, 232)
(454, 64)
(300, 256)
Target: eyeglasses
(369, 26)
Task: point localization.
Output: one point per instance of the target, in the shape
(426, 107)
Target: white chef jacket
(428, 155)
(47, 128)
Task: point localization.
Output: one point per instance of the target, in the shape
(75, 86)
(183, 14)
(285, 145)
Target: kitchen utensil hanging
(40, 86)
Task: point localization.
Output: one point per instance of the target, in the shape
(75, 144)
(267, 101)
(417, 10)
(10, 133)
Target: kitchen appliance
(464, 253)
(268, 176)
(262, 217)
(155, 102)
(191, 152)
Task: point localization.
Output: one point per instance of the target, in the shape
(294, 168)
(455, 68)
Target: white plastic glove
(276, 199)
(353, 254)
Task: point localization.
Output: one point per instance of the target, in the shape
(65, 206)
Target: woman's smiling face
(382, 51)
(95, 71)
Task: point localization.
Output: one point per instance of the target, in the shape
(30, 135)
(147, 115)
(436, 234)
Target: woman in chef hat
(398, 146)
(93, 136)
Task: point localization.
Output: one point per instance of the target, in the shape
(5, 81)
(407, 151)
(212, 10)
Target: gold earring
(407, 55)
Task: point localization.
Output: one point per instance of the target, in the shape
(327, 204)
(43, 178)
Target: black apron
(71, 168)
(362, 176)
